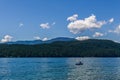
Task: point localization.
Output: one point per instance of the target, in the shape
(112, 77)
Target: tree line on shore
(87, 48)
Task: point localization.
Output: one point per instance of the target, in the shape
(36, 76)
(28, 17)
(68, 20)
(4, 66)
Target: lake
(59, 69)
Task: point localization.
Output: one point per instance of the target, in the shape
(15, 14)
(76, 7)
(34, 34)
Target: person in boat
(80, 63)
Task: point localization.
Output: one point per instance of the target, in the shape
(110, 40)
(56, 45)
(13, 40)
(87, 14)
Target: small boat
(79, 63)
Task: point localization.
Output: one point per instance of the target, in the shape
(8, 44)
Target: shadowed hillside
(87, 48)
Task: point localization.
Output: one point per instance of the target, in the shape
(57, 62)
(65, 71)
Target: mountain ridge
(74, 48)
(33, 42)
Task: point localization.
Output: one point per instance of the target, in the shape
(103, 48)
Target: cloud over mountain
(7, 38)
(45, 39)
(81, 38)
(79, 25)
(116, 30)
(37, 37)
(98, 34)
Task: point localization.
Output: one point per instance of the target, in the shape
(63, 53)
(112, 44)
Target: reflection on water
(59, 69)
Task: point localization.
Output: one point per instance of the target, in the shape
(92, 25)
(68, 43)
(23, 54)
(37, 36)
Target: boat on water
(79, 63)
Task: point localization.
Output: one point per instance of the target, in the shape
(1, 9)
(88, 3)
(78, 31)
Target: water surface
(59, 69)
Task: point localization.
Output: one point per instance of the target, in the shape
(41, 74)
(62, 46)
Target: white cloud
(78, 26)
(116, 41)
(81, 38)
(111, 20)
(37, 37)
(117, 30)
(98, 34)
(72, 18)
(45, 25)
(7, 38)
(21, 25)
(45, 39)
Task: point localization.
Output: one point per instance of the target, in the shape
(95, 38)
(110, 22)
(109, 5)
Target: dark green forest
(87, 48)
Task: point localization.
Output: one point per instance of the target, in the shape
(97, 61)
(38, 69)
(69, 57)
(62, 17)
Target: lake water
(59, 69)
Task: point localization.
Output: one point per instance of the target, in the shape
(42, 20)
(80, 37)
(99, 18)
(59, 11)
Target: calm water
(59, 69)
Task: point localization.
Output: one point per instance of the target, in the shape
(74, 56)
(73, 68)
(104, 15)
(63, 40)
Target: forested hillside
(87, 48)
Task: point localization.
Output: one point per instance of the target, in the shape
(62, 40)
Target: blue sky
(46, 19)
